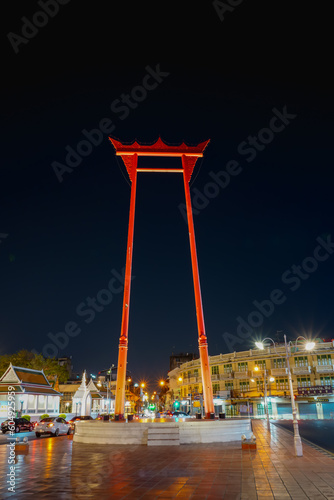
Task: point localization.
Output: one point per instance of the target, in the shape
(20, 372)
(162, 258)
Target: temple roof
(159, 148)
(26, 380)
(129, 153)
(25, 375)
(85, 388)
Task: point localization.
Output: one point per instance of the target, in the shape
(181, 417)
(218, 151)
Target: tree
(27, 359)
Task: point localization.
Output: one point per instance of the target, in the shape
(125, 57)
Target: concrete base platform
(162, 433)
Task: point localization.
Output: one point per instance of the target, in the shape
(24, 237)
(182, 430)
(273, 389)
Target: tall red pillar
(123, 341)
(187, 164)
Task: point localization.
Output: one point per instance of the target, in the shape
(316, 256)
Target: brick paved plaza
(58, 468)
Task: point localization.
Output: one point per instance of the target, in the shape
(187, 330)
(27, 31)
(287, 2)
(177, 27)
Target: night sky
(255, 80)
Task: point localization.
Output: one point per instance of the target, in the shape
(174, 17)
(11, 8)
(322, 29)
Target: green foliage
(27, 359)
(45, 415)
(62, 415)
(27, 417)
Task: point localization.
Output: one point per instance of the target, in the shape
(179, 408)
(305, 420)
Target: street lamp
(308, 346)
(109, 372)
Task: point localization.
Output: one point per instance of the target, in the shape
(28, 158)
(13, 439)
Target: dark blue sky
(220, 80)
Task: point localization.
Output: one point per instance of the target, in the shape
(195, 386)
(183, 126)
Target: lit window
(301, 361)
(243, 367)
(303, 382)
(324, 359)
(215, 388)
(280, 363)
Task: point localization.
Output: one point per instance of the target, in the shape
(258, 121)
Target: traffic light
(176, 405)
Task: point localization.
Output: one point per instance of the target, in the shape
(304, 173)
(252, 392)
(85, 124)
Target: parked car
(166, 414)
(79, 417)
(181, 414)
(53, 426)
(20, 424)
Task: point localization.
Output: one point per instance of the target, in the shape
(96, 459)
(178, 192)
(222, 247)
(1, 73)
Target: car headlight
(50, 425)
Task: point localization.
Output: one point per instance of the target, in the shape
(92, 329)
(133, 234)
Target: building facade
(239, 380)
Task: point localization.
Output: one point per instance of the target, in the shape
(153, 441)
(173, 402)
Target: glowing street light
(308, 346)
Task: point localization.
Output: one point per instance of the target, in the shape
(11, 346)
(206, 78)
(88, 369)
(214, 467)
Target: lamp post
(266, 408)
(109, 383)
(296, 437)
(266, 399)
(271, 379)
(298, 447)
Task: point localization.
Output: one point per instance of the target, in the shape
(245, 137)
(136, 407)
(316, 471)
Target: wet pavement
(58, 468)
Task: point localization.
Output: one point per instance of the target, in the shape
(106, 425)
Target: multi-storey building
(238, 382)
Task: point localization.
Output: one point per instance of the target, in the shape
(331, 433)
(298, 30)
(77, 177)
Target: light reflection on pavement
(58, 468)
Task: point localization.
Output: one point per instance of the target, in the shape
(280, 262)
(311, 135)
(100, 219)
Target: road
(319, 432)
